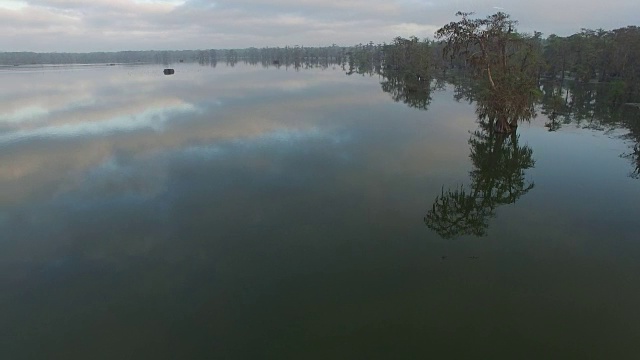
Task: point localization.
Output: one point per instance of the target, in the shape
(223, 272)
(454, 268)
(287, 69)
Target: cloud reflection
(136, 161)
(153, 118)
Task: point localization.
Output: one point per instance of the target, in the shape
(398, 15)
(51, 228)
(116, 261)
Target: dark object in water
(169, 71)
(181, 60)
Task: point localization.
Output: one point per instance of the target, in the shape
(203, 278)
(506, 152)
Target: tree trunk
(502, 126)
(485, 57)
(493, 85)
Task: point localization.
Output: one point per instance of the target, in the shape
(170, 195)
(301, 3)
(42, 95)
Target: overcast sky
(111, 25)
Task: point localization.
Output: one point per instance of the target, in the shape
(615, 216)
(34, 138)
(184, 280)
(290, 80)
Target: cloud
(110, 25)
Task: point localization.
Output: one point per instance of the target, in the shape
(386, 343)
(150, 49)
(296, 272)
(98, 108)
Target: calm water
(251, 213)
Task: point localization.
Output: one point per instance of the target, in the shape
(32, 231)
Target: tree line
(267, 55)
(491, 46)
(477, 44)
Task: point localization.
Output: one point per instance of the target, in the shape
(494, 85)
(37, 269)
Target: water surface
(248, 213)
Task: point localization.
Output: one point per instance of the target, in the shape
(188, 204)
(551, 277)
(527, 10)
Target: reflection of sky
(152, 118)
(135, 111)
(251, 203)
(125, 131)
(24, 114)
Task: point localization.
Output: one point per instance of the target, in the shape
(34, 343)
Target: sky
(113, 25)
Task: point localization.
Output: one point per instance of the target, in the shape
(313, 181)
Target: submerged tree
(506, 62)
(409, 55)
(404, 67)
(408, 72)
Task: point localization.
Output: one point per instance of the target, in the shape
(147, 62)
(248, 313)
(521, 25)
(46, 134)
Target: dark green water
(250, 213)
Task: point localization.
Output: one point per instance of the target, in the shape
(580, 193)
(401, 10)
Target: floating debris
(169, 71)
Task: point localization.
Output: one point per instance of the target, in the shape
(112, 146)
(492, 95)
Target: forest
(588, 56)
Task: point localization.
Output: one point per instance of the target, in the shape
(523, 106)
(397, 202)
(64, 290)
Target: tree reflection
(600, 106)
(631, 120)
(408, 87)
(497, 178)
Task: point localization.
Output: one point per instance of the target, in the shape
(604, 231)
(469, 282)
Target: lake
(244, 212)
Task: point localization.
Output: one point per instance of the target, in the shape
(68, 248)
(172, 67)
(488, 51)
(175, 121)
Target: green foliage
(491, 47)
(596, 55)
(506, 62)
(410, 55)
(405, 67)
(365, 59)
